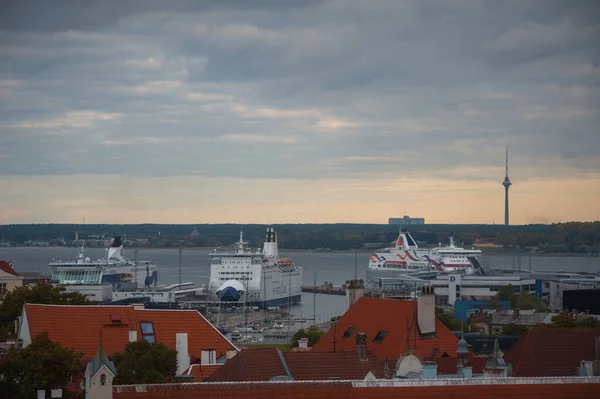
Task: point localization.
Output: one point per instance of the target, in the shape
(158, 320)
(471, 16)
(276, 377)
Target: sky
(298, 111)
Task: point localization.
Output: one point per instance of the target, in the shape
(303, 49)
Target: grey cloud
(310, 89)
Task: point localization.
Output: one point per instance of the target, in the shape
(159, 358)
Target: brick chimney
(361, 347)
(516, 314)
(426, 310)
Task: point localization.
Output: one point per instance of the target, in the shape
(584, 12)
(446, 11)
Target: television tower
(506, 183)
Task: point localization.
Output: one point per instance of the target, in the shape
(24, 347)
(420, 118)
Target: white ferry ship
(114, 269)
(407, 258)
(258, 277)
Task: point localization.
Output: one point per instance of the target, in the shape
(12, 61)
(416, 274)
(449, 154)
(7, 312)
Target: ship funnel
(116, 247)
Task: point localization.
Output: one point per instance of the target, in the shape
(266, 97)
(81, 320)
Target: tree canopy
(524, 300)
(11, 305)
(447, 319)
(575, 237)
(313, 334)
(567, 320)
(145, 363)
(43, 364)
(514, 329)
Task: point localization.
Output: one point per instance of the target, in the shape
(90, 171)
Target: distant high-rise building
(506, 183)
(406, 220)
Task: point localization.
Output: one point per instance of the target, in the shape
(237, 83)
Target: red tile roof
(6, 267)
(251, 365)
(494, 388)
(80, 327)
(266, 363)
(551, 352)
(447, 365)
(371, 315)
(200, 372)
(324, 365)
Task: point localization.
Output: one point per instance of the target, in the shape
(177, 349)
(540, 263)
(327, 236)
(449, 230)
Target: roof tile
(552, 352)
(101, 322)
(371, 315)
(265, 363)
(6, 267)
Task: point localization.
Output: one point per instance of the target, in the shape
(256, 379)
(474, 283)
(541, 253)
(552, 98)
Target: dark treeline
(574, 237)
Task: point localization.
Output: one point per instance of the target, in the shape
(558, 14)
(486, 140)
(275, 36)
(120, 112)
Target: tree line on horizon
(572, 237)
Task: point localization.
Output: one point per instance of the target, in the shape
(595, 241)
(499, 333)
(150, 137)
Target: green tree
(524, 300)
(514, 329)
(447, 319)
(507, 293)
(41, 365)
(313, 334)
(563, 320)
(41, 292)
(145, 363)
(589, 322)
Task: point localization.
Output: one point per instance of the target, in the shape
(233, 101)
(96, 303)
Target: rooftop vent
(115, 318)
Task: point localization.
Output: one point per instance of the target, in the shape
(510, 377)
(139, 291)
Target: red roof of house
(81, 327)
(372, 315)
(6, 267)
(266, 363)
(251, 365)
(500, 388)
(552, 352)
(448, 365)
(200, 372)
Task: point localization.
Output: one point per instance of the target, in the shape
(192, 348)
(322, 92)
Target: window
(2, 288)
(380, 336)
(349, 332)
(148, 331)
(102, 379)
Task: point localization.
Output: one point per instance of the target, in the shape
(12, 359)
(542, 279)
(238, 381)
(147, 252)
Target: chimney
(231, 353)
(183, 357)
(355, 289)
(303, 343)
(132, 335)
(361, 347)
(426, 310)
(515, 314)
(430, 370)
(468, 372)
(208, 357)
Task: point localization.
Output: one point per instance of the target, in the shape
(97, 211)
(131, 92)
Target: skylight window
(148, 331)
(380, 336)
(349, 332)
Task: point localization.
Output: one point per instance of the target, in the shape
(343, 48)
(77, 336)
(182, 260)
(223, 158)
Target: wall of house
(347, 390)
(9, 282)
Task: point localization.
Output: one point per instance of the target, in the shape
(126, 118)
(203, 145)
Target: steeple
(506, 183)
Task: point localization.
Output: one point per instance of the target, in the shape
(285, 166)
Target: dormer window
(148, 331)
(380, 336)
(349, 331)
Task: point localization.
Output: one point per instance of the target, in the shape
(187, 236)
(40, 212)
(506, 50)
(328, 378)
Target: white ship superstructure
(114, 269)
(407, 258)
(256, 277)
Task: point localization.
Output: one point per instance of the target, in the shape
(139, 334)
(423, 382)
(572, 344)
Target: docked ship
(113, 270)
(260, 277)
(407, 258)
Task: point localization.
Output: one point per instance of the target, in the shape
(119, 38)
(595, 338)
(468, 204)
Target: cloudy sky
(198, 111)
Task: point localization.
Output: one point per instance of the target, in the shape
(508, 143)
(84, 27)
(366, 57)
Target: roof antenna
(408, 327)
(334, 340)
